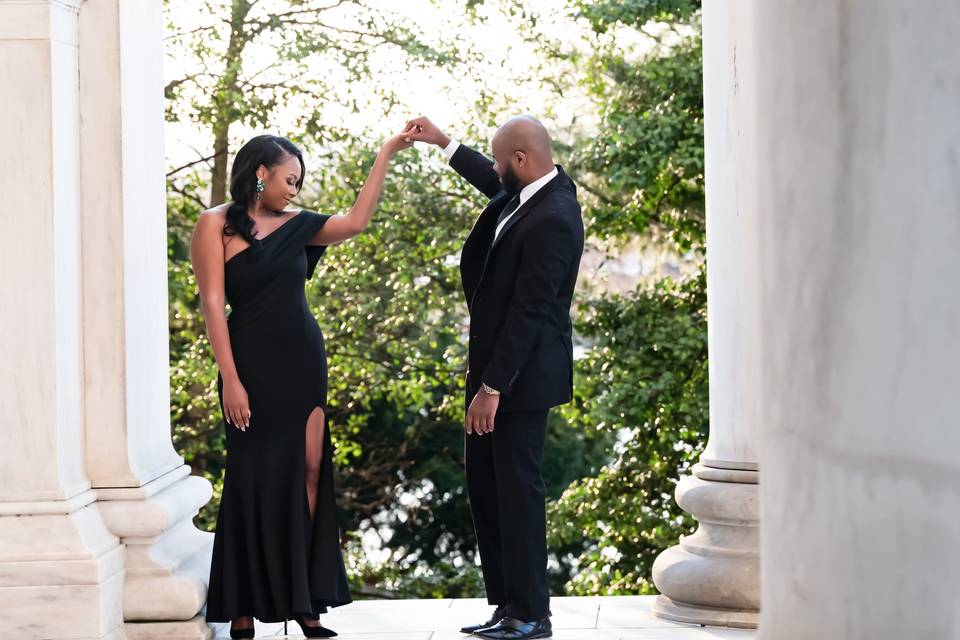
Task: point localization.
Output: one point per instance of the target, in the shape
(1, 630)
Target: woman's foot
(312, 628)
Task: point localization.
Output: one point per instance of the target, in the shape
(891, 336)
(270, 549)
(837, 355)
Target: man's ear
(521, 158)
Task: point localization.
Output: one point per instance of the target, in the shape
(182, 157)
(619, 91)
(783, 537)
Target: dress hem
(273, 617)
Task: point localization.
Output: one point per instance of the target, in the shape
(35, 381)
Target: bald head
(527, 134)
(521, 146)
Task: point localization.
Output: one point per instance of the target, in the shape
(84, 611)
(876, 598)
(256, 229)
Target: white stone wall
(96, 507)
(858, 253)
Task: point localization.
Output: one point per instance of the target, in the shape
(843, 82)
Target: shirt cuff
(451, 149)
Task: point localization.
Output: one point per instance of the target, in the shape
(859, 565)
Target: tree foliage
(644, 376)
(644, 380)
(319, 54)
(644, 167)
(390, 305)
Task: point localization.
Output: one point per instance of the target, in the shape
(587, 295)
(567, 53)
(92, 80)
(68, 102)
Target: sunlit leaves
(644, 377)
(391, 309)
(644, 380)
(604, 14)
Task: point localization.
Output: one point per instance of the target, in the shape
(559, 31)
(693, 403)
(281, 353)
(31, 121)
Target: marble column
(96, 507)
(713, 576)
(61, 568)
(147, 496)
(858, 253)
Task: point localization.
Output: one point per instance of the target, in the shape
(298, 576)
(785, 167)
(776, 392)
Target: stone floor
(581, 618)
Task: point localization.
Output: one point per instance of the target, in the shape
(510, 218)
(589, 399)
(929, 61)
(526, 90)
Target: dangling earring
(260, 185)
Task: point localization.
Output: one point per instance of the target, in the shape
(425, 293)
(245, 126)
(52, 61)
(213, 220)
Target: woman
(276, 550)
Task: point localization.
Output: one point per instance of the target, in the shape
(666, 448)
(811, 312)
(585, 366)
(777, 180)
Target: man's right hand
(422, 130)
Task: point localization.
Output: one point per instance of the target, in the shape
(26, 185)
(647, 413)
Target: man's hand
(481, 412)
(422, 130)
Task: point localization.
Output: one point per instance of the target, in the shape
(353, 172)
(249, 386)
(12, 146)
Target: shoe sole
(542, 634)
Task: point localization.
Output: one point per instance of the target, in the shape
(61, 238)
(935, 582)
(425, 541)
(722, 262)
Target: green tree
(319, 51)
(643, 378)
(644, 166)
(390, 305)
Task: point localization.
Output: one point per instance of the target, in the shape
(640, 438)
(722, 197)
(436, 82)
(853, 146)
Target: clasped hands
(417, 130)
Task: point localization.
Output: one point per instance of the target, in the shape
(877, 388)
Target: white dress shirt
(451, 149)
(525, 193)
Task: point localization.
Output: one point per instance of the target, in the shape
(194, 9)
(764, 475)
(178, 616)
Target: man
(518, 268)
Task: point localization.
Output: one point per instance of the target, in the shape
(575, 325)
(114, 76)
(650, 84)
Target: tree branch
(190, 164)
(188, 196)
(190, 32)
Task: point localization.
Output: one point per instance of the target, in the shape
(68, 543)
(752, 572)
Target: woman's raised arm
(341, 227)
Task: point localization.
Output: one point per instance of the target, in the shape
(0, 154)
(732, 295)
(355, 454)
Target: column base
(194, 629)
(713, 576)
(61, 573)
(168, 558)
(667, 609)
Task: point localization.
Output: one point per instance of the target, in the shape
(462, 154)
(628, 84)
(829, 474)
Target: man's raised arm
(471, 164)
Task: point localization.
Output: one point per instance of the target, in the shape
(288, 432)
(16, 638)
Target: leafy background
(619, 85)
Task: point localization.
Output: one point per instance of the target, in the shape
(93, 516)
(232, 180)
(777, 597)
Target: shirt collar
(536, 185)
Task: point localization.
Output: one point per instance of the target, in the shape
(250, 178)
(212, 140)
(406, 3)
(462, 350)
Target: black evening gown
(269, 561)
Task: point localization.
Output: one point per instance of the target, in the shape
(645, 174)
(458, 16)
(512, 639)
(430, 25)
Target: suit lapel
(476, 249)
(480, 242)
(481, 235)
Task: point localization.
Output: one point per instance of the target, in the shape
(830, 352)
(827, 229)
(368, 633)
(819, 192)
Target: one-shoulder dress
(269, 561)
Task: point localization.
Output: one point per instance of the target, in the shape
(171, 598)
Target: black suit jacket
(519, 289)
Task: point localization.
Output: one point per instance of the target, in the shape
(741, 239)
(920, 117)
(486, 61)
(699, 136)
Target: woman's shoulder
(211, 221)
(217, 213)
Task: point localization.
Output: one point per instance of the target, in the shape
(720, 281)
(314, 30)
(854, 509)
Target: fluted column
(713, 576)
(858, 134)
(61, 569)
(146, 493)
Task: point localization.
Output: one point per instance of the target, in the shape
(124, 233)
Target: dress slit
(311, 523)
(323, 453)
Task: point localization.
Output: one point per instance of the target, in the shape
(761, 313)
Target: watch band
(488, 389)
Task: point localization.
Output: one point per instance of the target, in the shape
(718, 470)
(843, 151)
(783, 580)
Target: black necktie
(507, 210)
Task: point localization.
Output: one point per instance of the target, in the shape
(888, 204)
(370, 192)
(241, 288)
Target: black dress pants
(507, 500)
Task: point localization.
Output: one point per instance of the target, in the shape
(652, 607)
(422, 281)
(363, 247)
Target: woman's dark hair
(265, 150)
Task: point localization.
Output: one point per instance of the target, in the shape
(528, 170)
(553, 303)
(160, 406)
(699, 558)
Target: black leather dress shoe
(494, 619)
(513, 629)
(246, 632)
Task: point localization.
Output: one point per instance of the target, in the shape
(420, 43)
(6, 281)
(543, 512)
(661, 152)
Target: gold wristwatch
(488, 389)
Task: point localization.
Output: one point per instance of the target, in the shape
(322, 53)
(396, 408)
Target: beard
(510, 181)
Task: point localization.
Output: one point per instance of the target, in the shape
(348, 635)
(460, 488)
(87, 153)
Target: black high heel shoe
(314, 632)
(242, 633)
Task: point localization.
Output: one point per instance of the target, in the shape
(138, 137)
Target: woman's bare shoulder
(213, 217)
(219, 211)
